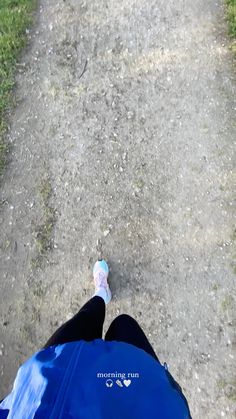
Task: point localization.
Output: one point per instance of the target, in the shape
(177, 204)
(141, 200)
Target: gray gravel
(125, 109)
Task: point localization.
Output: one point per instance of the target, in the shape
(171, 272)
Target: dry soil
(122, 147)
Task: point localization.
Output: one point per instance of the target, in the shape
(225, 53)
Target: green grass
(231, 14)
(15, 18)
(231, 17)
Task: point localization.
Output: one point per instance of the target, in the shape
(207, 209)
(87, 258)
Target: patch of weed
(228, 387)
(227, 303)
(231, 17)
(44, 231)
(215, 287)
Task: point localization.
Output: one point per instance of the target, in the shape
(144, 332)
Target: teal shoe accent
(101, 264)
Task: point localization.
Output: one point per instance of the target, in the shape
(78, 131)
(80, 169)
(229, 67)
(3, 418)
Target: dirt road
(122, 146)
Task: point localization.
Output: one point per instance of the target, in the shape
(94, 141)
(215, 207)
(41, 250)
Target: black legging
(87, 324)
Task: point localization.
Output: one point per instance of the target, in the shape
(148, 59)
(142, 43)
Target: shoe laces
(101, 279)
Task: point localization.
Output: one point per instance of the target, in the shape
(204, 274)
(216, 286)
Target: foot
(100, 275)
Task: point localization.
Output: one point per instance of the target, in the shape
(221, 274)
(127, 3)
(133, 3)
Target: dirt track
(122, 146)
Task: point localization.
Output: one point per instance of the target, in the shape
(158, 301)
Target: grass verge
(231, 17)
(15, 18)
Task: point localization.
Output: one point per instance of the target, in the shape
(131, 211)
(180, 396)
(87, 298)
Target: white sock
(101, 292)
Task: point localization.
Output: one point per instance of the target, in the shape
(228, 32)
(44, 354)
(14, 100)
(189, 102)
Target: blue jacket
(94, 380)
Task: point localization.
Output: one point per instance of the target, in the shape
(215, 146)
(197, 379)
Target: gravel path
(122, 146)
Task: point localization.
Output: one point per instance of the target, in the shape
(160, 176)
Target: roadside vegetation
(15, 18)
(231, 17)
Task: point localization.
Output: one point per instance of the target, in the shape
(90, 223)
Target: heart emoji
(127, 383)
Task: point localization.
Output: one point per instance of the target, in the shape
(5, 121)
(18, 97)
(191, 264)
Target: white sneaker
(100, 275)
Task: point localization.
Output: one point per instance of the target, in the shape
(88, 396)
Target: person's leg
(125, 329)
(87, 324)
